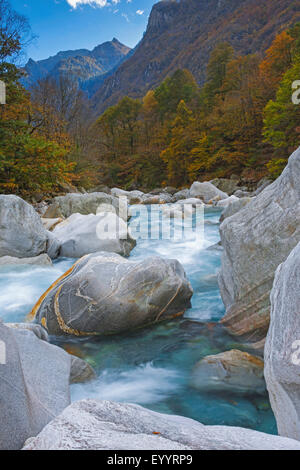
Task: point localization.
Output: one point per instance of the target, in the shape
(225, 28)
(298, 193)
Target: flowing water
(152, 367)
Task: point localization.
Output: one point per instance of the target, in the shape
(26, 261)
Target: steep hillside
(82, 64)
(181, 34)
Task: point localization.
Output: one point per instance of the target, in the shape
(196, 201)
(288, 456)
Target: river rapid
(153, 366)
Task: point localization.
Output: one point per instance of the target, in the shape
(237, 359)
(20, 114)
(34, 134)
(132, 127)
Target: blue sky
(75, 24)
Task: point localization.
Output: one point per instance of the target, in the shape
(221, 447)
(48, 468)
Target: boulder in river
(226, 202)
(228, 186)
(255, 241)
(22, 234)
(64, 206)
(104, 425)
(80, 235)
(234, 206)
(207, 192)
(34, 385)
(105, 294)
(41, 260)
(282, 349)
(183, 194)
(232, 371)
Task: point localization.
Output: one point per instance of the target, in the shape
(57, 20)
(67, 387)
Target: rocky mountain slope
(85, 66)
(182, 34)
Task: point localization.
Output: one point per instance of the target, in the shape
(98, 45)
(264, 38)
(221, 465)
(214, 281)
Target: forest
(242, 121)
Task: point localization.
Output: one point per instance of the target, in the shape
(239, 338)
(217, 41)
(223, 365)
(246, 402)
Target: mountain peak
(80, 64)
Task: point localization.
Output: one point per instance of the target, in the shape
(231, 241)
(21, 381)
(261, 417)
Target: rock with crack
(104, 425)
(282, 364)
(105, 294)
(80, 235)
(233, 371)
(255, 241)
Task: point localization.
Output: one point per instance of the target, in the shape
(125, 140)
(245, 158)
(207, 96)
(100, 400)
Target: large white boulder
(104, 425)
(80, 235)
(88, 203)
(34, 385)
(22, 234)
(207, 192)
(282, 350)
(104, 294)
(255, 241)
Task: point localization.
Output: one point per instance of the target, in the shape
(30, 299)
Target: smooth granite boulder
(256, 240)
(88, 203)
(104, 425)
(224, 203)
(22, 234)
(132, 196)
(104, 294)
(34, 385)
(38, 330)
(50, 224)
(234, 206)
(183, 194)
(207, 192)
(41, 260)
(80, 235)
(282, 349)
(232, 371)
(228, 186)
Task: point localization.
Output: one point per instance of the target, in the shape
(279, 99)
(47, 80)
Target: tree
(180, 86)
(177, 154)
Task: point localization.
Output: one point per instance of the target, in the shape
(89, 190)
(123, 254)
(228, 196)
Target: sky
(82, 24)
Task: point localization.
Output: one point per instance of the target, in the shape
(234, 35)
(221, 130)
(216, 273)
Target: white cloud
(97, 3)
(139, 12)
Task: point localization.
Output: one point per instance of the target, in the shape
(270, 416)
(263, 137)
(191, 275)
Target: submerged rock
(34, 385)
(104, 294)
(256, 240)
(104, 425)
(282, 349)
(232, 371)
(80, 235)
(81, 371)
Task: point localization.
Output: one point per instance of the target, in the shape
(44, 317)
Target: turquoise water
(153, 366)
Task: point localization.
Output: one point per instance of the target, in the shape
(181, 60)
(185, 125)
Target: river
(152, 367)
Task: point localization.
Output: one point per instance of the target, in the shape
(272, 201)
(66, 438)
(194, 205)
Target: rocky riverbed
(145, 316)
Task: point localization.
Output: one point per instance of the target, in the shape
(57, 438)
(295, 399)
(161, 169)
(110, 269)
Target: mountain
(182, 34)
(83, 65)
